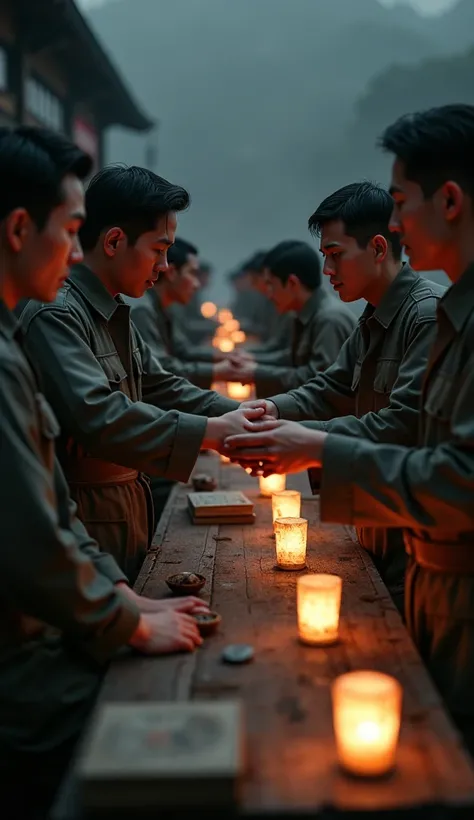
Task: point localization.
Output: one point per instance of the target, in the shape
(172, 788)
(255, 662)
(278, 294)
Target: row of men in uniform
(385, 426)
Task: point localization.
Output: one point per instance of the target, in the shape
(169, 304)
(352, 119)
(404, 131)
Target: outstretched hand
(276, 446)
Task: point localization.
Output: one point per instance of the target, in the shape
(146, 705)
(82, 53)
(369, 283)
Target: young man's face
(351, 269)
(43, 262)
(138, 266)
(183, 282)
(420, 222)
(282, 295)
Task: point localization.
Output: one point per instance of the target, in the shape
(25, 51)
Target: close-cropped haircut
(364, 208)
(298, 259)
(33, 165)
(435, 146)
(130, 198)
(179, 252)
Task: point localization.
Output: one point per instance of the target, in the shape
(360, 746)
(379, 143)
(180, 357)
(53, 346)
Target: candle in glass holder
(367, 710)
(226, 345)
(271, 484)
(238, 391)
(286, 504)
(318, 604)
(290, 539)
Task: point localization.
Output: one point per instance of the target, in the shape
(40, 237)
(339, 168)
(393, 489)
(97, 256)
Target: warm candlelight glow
(224, 459)
(216, 342)
(208, 310)
(290, 539)
(272, 484)
(238, 391)
(221, 333)
(224, 315)
(318, 603)
(286, 504)
(238, 336)
(231, 325)
(367, 713)
(225, 345)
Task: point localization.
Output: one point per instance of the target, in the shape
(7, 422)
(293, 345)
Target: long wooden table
(286, 689)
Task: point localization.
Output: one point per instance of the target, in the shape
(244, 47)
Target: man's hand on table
(243, 420)
(189, 603)
(159, 633)
(276, 446)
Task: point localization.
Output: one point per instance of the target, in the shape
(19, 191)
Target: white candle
(271, 484)
(290, 541)
(367, 714)
(286, 504)
(318, 605)
(238, 391)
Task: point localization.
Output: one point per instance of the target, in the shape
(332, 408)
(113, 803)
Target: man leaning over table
(372, 389)
(428, 489)
(121, 414)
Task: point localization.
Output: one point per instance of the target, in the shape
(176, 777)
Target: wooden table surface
(286, 689)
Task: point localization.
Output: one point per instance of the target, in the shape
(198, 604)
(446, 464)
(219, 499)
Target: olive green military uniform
(277, 349)
(60, 617)
(319, 331)
(167, 343)
(372, 390)
(430, 492)
(109, 394)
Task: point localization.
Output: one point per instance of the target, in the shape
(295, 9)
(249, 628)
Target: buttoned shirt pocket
(114, 371)
(386, 375)
(49, 429)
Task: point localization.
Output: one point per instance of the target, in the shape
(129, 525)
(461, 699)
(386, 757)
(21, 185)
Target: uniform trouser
(439, 611)
(120, 518)
(387, 550)
(47, 692)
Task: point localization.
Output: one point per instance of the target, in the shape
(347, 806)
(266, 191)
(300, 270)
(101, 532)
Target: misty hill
(256, 101)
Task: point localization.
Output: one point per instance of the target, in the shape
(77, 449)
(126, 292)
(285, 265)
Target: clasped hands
(272, 445)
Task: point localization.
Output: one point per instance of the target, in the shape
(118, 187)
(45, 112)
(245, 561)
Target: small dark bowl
(207, 623)
(204, 483)
(186, 583)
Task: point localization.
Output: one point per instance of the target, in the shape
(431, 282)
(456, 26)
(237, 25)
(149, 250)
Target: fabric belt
(450, 557)
(93, 471)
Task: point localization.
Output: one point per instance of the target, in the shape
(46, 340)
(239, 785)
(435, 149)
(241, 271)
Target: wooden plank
(286, 689)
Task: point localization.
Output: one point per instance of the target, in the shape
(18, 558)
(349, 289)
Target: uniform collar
(457, 302)
(8, 322)
(393, 299)
(84, 280)
(312, 306)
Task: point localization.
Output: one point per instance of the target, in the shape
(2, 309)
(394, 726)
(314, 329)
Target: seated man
(372, 390)
(65, 607)
(150, 314)
(320, 328)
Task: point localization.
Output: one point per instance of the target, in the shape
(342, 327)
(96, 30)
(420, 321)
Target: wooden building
(55, 73)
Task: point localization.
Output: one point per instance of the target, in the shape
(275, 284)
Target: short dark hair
(254, 262)
(33, 164)
(435, 146)
(365, 209)
(179, 252)
(277, 250)
(130, 198)
(299, 259)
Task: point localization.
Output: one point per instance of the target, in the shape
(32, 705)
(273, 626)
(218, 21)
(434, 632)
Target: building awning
(59, 27)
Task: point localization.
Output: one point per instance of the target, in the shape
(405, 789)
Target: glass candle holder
(367, 709)
(290, 541)
(271, 484)
(318, 605)
(286, 504)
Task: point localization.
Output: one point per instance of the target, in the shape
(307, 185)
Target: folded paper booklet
(163, 755)
(220, 505)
